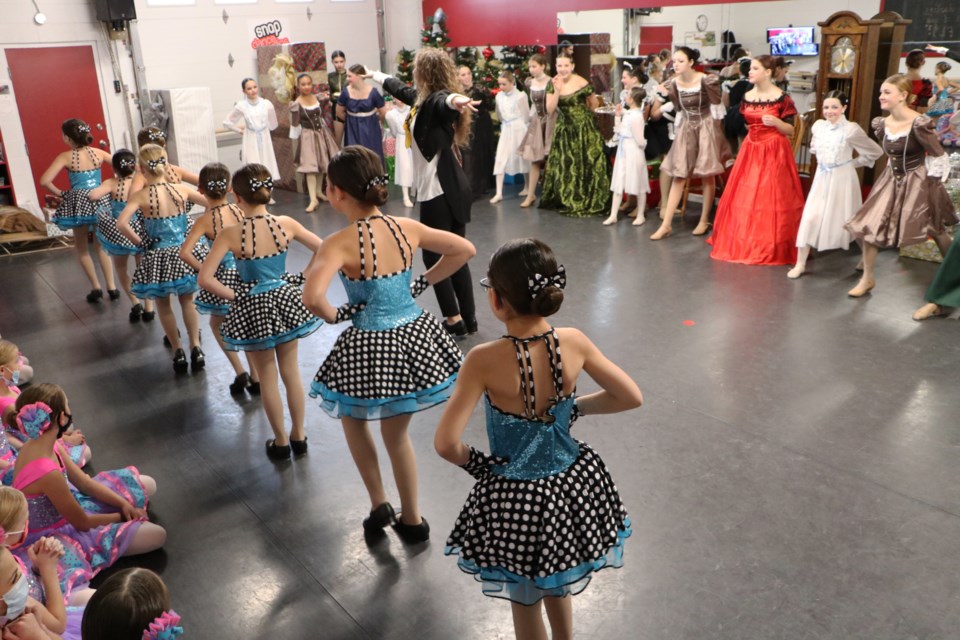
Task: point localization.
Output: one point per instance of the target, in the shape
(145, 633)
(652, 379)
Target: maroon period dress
(761, 206)
(907, 204)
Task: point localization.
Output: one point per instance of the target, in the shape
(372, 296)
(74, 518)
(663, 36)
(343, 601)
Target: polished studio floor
(792, 474)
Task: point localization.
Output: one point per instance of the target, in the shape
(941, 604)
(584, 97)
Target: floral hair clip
(127, 163)
(266, 183)
(157, 135)
(539, 282)
(153, 164)
(217, 184)
(34, 419)
(379, 181)
(83, 128)
(166, 626)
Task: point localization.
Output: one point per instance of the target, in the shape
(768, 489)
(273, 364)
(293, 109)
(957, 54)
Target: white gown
(630, 167)
(513, 109)
(403, 169)
(258, 118)
(835, 193)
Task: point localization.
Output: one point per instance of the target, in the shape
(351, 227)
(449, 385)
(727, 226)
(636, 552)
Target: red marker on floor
(689, 323)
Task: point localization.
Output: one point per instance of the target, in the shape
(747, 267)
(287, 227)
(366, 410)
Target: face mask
(16, 600)
(14, 377)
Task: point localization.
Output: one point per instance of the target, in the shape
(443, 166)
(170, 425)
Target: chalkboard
(934, 22)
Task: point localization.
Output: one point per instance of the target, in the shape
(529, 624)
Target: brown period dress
(906, 206)
(317, 145)
(535, 145)
(699, 148)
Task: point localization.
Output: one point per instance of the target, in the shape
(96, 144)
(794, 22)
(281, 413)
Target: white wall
(600, 21)
(188, 46)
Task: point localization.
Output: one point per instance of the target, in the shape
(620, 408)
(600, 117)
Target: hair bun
(548, 301)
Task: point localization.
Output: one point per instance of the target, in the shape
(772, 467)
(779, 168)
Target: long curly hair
(433, 70)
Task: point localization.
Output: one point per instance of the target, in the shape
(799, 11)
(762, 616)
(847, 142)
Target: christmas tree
(466, 57)
(434, 32)
(514, 60)
(487, 70)
(405, 66)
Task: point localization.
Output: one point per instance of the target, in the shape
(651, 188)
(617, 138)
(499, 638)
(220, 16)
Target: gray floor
(793, 473)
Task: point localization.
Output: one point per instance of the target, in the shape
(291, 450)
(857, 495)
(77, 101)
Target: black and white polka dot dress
(396, 358)
(545, 515)
(207, 302)
(112, 241)
(268, 309)
(76, 209)
(161, 272)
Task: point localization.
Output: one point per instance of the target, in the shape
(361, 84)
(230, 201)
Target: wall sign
(269, 32)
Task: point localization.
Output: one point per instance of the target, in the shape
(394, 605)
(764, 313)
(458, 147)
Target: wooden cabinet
(7, 196)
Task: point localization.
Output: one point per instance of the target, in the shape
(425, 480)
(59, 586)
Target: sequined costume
(396, 358)
(548, 516)
(98, 547)
(112, 241)
(76, 209)
(74, 614)
(161, 272)
(208, 302)
(268, 309)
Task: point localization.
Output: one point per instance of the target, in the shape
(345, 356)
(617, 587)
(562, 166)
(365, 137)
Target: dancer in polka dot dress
(396, 359)
(544, 515)
(266, 317)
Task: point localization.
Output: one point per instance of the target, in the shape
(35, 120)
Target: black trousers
(455, 294)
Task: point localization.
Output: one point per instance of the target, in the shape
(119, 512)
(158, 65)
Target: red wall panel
(511, 22)
(653, 39)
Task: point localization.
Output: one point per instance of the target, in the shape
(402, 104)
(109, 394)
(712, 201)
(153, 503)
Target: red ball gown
(761, 206)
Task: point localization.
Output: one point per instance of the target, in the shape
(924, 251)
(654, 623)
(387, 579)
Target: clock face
(843, 56)
(701, 22)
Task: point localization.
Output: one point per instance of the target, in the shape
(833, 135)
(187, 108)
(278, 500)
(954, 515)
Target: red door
(53, 84)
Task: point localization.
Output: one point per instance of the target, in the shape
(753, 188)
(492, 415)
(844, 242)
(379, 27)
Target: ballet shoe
(661, 234)
(701, 229)
(929, 310)
(136, 312)
(299, 447)
(413, 533)
(275, 452)
(861, 289)
(239, 384)
(180, 361)
(796, 272)
(312, 206)
(495, 199)
(113, 294)
(610, 220)
(528, 202)
(639, 221)
(380, 518)
(95, 296)
(408, 204)
(197, 360)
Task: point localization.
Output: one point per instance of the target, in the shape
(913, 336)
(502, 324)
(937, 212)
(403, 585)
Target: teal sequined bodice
(388, 301)
(84, 179)
(266, 272)
(165, 232)
(116, 208)
(534, 448)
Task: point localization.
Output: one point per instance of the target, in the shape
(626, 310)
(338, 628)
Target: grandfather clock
(856, 56)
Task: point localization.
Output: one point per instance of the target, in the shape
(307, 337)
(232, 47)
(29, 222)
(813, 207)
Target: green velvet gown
(577, 179)
(945, 288)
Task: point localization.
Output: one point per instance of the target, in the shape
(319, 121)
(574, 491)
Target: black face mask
(63, 428)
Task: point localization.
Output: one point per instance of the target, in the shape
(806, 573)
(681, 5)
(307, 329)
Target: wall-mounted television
(792, 41)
